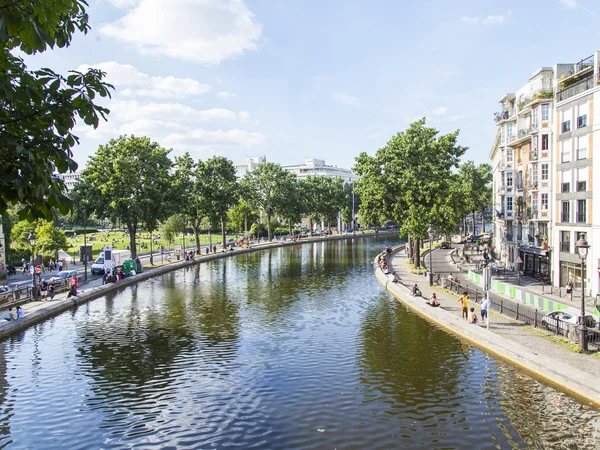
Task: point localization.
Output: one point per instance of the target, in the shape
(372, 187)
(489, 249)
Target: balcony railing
(533, 156)
(575, 88)
(565, 246)
(512, 138)
(581, 217)
(524, 132)
(533, 186)
(509, 237)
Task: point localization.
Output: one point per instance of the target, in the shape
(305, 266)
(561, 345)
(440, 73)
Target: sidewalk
(506, 338)
(530, 285)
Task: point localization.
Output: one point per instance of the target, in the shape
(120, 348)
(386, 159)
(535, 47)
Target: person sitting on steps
(416, 292)
(433, 300)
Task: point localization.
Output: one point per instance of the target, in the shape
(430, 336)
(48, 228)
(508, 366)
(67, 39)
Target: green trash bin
(129, 265)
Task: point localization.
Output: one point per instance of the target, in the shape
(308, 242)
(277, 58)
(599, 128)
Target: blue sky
(326, 79)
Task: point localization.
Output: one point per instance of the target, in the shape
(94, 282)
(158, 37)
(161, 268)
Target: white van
(117, 256)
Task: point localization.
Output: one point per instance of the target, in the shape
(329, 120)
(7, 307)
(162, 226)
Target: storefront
(536, 263)
(570, 271)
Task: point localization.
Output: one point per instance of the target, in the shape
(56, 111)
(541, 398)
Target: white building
(315, 166)
(522, 166)
(577, 134)
(242, 169)
(70, 179)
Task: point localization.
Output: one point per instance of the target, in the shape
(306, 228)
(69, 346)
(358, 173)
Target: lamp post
(31, 239)
(431, 232)
(582, 249)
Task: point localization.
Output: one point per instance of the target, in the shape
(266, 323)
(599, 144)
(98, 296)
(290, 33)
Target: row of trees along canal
(416, 180)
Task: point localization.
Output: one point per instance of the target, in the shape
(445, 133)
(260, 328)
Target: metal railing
(581, 217)
(565, 246)
(575, 88)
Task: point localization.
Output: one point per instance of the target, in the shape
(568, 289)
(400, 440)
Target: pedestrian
(465, 305)
(207, 250)
(472, 316)
(20, 312)
(169, 258)
(51, 291)
(214, 249)
(485, 306)
(12, 314)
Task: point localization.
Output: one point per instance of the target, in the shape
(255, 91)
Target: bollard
(501, 305)
(517, 311)
(535, 318)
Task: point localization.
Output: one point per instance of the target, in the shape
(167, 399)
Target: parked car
(458, 239)
(63, 277)
(6, 294)
(559, 320)
(445, 245)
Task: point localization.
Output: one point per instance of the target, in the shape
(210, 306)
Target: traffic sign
(460, 228)
(519, 260)
(38, 269)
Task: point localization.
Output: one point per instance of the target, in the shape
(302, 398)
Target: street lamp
(582, 249)
(31, 239)
(431, 232)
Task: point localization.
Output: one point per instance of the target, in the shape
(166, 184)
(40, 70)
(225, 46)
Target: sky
(293, 80)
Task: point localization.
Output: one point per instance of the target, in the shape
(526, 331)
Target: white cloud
(570, 4)
(488, 20)
(244, 116)
(206, 31)
(344, 99)
(135, 82)
(440, 111)
(123, 3)
(220, 138)
(225, 94)
(129, 110)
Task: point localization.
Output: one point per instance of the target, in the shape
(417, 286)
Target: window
(566, 187)
(545, 142)
(565, 212)
(565, 126)
(565, 151)
(582, 176)
(544, 201)
(535, 115)
(534, 144)
(582, 121)
(581, 211)
(510, 154)
(534, 202)
(565, 241)
(509, 203)
(520, 180)
(543, 228)
(545, 111)
(509, 130)
(509, 179)
(544, 172)
(581, 186)
(581, 147)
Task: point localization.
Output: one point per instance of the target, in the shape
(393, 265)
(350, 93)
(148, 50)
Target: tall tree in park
(475, 184)
(296, 200)
(49, 238)
(187, 193)
(350, 203)
(39, 108)
(132, 177)
(326, 196)
(242, 216)
(409, 180)
(219, 188)
(263, 186)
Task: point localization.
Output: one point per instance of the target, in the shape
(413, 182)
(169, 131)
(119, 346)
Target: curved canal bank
(295, 347)
(544, 360)
(36, 312)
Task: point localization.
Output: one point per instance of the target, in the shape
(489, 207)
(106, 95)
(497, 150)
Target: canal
(297, 347)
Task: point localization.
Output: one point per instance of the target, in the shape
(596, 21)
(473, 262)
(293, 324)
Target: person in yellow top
(465, 305)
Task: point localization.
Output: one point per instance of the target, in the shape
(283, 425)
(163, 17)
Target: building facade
(544, 190)
(70, 179)
(577, 131)
(522, 162)
(249, 165)
(315, 166)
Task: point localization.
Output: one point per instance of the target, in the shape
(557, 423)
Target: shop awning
(534, 251)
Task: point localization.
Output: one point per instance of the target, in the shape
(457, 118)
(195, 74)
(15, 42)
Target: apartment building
(577, 131)
(522, 167)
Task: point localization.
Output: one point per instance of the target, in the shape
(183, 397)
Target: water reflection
(289, 348)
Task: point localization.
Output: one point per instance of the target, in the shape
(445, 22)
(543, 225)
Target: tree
(49, 239)
(410, 180)
(241, 215)
(219, 188)
(187, 188)
(296, 196)
(172, 226)
(133, 181)
(38, 109)
(475, 185)
(264, 189)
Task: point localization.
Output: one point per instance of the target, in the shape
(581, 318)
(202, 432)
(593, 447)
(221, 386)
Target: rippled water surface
(292, 348)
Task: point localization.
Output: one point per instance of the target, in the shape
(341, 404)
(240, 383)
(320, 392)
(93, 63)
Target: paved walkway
(528, 346)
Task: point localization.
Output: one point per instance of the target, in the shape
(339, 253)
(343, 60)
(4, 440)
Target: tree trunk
(223, 236)
(465, 225)
(473, 220)
(151, 257)
(418, 253)
(269, 224)
(196, 235)
(482, 222)
(132, 231)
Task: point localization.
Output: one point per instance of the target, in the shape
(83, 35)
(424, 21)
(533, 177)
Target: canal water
(293, 348)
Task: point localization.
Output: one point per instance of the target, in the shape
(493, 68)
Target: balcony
(581, 217)
(532, 186)
(533, 156)
(511, 138)
(532, 214)
(577, 87)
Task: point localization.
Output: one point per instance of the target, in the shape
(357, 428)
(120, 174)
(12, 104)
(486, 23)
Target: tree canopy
(38, 109)
(132, 181)
(410, 180)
